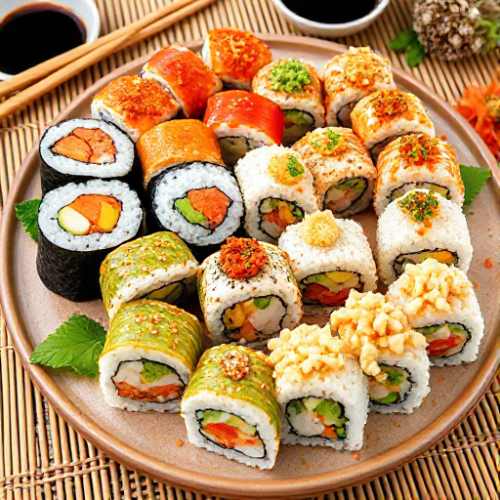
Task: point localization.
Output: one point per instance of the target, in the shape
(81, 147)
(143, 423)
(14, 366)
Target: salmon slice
(154, 394)
(212, 203)
(91, 206)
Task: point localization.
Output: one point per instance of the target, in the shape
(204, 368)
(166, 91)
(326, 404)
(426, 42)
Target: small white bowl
(331, 30)
(86, 10)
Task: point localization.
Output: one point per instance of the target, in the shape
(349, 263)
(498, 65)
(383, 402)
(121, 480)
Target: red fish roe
(242, 258)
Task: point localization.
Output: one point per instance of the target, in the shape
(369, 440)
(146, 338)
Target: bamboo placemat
(43, 458)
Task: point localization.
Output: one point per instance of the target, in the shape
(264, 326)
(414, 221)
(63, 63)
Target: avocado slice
(189, 213)
(297, 124)
(296, 407)
(391, 398)
(262, 302)
(331, 412)
(152, 371)
(73, 222)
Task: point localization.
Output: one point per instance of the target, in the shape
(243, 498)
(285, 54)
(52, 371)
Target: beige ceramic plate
(148, 441)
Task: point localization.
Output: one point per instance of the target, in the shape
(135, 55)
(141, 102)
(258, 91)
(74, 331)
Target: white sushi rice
(256, 138)
(127, 227)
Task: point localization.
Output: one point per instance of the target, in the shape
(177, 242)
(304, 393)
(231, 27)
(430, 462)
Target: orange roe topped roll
(242, 258)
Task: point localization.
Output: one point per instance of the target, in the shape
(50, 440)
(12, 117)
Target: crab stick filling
(394, 389)
(446, 339)
(277, 214)
(441, 255)
(330, 288)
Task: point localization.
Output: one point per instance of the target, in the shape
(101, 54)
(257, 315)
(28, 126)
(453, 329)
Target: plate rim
(271, 488)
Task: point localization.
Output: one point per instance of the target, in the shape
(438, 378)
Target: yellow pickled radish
(108, 217)
(73, 222)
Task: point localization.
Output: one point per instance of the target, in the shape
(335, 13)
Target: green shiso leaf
(474, 179)
(76, 344)
(27, 214)
(403, 39)
(415, 53)
(152, 371)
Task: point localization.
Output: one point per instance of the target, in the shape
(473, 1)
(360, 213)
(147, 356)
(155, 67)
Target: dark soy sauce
(34, 33)
(331, 11)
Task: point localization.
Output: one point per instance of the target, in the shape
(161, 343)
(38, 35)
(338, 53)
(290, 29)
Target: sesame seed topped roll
(351, 76)
(235, 56)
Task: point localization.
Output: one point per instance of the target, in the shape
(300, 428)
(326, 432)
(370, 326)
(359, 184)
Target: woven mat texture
(41, 457)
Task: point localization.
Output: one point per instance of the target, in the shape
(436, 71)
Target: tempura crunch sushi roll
(184, 74)
(380, 117)
(230, 406)
(343, 171)
(351, 76)
(159, 266)
(329, 258)
(321, 389)
(390, 353)
(296, 88)
(248, 293)
(150, 353)
(243, 121)
(277, 191)
(418, 226)
(417, 161)
(440, 302)
(134, 105)
(235, 56)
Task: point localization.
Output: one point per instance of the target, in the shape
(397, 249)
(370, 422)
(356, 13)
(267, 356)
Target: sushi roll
(390, 353)
(351, 76)
(417, 161)
(277, 191)
(82, 149)
(296, 88)
(248, 293)
(134, 105)
(235, 56)
(150, 354)
(178, 142)
(343, 171)
(159, 266)
(78, 225)
(230, 406)
(440, 303)
(321, 389)
(380, 117)
(183, 73)
(243, 121)
(428, 227)
(329, 258)
(201, 202)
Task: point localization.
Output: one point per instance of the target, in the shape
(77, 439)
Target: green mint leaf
(403, 40)
(27, 214)
(415, 53)
(76, 344)
(152, 371)
(474, 179)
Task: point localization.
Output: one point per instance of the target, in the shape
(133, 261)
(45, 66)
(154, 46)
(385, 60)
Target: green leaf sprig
(474, 179)
(409, 42)
(27, 214)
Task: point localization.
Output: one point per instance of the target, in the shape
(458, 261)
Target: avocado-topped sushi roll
(230, 406)
(235, 56)
(440, 303)
(82, 149)
(184, 74)
(351, 76)
(296, 88)
(79, 224)
(321, 389)
(277, 190)
(343, 171)
(134, 105)
(159, 266)
(248, 293)
(390, 353)
(417, 161)
(380, 117)
(421, 225)
(329, 258)
(243, 121)
(150, 353)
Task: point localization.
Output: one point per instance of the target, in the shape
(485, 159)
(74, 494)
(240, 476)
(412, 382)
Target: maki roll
(277, 191)
(296, 88)
(440, 303)
(248, 293)
(329, 258)
(182, 72)
(428, 227)
(243, 121)
(343, 171)
(83, 149)
(150, 354)
(351, 76)
(134, 105)
(321, 389)
(79, 224)
(380, 117)
(159, 266)
(417, 161)
(235, 56)
(230, 406)
(390, 353)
